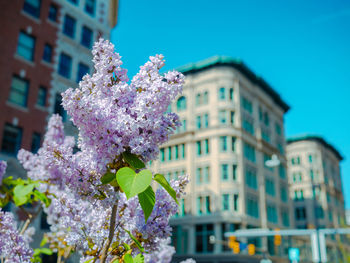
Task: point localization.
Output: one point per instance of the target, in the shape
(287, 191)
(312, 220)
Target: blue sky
(302, 48)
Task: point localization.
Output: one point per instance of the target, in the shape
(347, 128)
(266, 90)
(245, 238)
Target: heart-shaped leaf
(147, 200)
(133, 183)
(23, 190)
(133, 160)
(128, 258)
(163, 182)
(139, 258)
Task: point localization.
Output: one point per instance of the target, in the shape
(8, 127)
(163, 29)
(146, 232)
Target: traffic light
(251, 249)
(231, 241)
(278, 239)
(236, 249)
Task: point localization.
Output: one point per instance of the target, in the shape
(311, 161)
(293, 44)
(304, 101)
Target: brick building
(28, 38)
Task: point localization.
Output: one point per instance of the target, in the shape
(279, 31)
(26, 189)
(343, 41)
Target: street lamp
(273, 162)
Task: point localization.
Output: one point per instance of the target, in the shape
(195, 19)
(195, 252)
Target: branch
(31, 217)
(111, 233)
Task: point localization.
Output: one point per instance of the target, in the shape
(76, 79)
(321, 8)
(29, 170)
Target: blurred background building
(316, 187)
(46, 48)
(232, 122)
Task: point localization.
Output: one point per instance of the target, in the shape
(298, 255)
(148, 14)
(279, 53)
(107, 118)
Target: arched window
(222, 93)
(181, 103)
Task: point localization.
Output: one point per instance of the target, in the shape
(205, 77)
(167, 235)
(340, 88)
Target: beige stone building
(315, 186)
(232, 124)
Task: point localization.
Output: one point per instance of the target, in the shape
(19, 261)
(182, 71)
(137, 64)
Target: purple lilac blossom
(3, 166)
(13, 246)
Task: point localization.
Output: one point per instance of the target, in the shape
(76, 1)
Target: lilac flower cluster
(3, 166)
(14, 247)
(114, 116)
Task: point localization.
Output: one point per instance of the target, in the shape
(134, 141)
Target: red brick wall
(12, 21)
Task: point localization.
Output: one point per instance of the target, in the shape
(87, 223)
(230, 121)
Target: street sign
(294, 254)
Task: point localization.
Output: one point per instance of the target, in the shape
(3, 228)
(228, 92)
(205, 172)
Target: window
(298, 195)
(198, 122)
(206, 120)
(205, 97)
(19, 91)
(272, 213)
(300, 213)
(310, 158)
(247, 105)
(53, 12)
(248, 125)
(32, 7)
(198, 99)
(162, 155)
(36, 139)
(59, 108)
(249, 152)
(295, 160)
(206, 175)
(181, 104)
(222, 93)
(232, 119)
(206, 146)
(86, 37)
(284, 194)
(233, 144)
(199, 205)
(231, 94)
(90, 6)
(278, 128)
(252, 207)
(199, 148)
(207, 205)
(42, 93)
(199, 177)
(74, 1)
(11, 140)
(225, 202)
(65, 66)
(222, 116)
(251, 178)
(169, 154)
(82, 71)
(176, 152)
(266, 118)
(203, 232)
(285, 217)
(270, 187)
(47, 55)
(234, 172)
(223, 143)
(69, 26)
(282, 171)
(224, 172)
(297, 177)
(183, 151)
(235, 202)
(26, 46)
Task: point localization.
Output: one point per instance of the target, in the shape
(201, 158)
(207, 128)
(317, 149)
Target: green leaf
(126, 246)
(138, 244)
(42, 197)
(43, 250)
(139, 258)
(133, 160)
(20, 200)
(163, 182)
(133, 183)
(43, 241)
(147, 200)
(128, 258)
(88, 261)
(23, 190)
(107, 178)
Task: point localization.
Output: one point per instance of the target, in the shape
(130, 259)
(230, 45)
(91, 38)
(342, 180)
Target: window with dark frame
(69, 26)
(36, 141)
(82, 70)
(32, 7)
(90, 6)
(42, 94)
(11, 139)
(53, 13)
(26, 46)
(47, 55)
(86, 37)
(19, 91)
(65, 65)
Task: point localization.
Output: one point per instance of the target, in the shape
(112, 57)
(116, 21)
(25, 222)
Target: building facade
(232, 122)
(316, 187)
